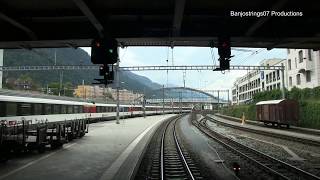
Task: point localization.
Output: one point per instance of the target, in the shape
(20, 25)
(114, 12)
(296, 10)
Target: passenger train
(32, 123)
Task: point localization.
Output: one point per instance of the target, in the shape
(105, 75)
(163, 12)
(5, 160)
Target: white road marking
(35, 161)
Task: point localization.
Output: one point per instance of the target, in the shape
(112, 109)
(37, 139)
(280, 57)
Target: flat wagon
(278, 112)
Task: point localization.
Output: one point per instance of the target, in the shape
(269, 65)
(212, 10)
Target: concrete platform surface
(98, 155)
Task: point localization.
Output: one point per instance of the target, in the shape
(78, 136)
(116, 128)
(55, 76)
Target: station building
(257, 81)
(303, 68)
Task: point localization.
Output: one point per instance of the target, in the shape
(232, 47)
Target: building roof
(270, 102)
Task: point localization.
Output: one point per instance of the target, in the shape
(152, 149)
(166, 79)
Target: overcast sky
(135, 56)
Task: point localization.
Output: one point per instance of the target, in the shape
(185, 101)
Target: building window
(300, 56)
(298, 79)
(310, 54)
(274, 75)
(288, 50)
(289, 64)
(308, 76)
(290, 81)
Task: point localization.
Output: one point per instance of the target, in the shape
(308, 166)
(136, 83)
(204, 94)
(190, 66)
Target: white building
(1, 64)
(258, 80)
(303, 68)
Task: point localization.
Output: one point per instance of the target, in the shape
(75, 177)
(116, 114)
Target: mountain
(65, 56)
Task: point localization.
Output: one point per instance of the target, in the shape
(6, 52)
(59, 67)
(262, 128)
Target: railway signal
(105, 52)
(224, 50)
(108, 75)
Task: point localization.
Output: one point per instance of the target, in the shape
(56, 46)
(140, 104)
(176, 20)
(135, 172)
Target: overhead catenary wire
(251, 55)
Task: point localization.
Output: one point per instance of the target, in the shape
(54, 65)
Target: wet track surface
(205, 151)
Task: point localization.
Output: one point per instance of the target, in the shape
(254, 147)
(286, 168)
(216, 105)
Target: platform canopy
(73, 23)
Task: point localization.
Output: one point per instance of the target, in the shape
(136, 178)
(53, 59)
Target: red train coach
(278, 112)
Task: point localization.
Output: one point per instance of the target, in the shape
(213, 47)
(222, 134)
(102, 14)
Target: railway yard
(175, 146)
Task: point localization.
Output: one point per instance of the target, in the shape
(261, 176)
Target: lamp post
(162, 99)
(117, 85)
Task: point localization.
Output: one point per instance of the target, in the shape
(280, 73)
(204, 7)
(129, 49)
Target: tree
(54, 88)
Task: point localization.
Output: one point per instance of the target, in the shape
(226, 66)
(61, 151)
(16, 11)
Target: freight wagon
(278, 112)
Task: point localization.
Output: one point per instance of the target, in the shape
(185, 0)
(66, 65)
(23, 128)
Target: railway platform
(108, 151)
(281, 133)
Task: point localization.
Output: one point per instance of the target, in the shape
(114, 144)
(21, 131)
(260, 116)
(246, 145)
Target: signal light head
(97, 44)
(104, 51)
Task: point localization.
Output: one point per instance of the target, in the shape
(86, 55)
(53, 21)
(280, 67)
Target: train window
(70, 109)
(56, 109)
(37, 109)
(63, 109)
(98, 109)
(24, 109)
(80, 109)
(11, 109)
(105, 109)
(47, 109)
(76, 109)
(2, 109)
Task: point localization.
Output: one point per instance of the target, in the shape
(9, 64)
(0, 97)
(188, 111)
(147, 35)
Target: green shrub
(309, 105)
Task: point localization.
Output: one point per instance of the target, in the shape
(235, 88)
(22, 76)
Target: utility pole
(218, 100)
(60, 82)
(180, 101)
(282, 87)
(144, 105)
(228, 96)
(83, 90)
(117, 86)
(144, 102)
(55, 56)
(184, 79)
(162, 99)
(1, 64)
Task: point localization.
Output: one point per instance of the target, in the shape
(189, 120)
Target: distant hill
(65, 56)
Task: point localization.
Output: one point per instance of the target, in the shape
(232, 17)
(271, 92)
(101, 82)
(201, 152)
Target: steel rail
(180, 151)
(162, 155)
(218, 137)
(266, 133)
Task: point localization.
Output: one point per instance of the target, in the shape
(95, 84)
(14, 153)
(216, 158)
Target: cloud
(87, 49)
(137, 56)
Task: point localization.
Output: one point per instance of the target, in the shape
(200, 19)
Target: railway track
(275, 167)
(172, 161)
(281, 136)
(261, 124)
